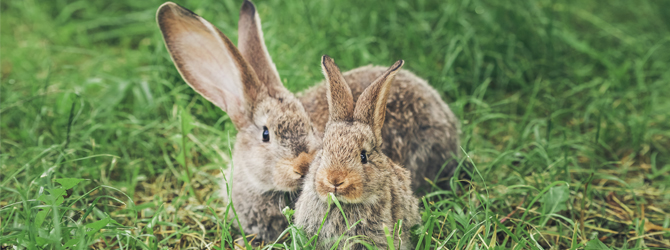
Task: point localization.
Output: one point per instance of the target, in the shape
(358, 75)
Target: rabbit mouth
(346, 199)
(347, 190)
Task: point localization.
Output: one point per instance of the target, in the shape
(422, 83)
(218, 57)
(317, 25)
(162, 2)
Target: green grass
(564, 108)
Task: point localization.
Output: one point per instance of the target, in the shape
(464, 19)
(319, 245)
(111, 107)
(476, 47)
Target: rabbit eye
(266, 134)
(364, 157)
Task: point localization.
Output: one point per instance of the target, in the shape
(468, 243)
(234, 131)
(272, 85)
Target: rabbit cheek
(285, 177)
(321, 184)
(302, 162)
(289, 172)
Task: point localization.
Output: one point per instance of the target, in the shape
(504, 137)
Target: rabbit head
(351, 164)
(275, 142)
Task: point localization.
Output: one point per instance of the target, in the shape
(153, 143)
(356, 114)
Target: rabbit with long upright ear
(352, 167)
(275, 142)
(278, 134)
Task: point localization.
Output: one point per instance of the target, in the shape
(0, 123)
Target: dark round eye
(266, 134)
(364, 157)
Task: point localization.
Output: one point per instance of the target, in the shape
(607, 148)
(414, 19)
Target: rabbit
(279, 132)
(352, 166)
(421, 132)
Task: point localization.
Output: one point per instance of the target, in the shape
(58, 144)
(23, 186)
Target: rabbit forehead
(344, 141)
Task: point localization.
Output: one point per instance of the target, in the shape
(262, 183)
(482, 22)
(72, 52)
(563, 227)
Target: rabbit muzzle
(290, 171)
(346, 186)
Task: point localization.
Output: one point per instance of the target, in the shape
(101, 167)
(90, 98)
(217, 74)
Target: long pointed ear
(340, 100)
(209, 62)
(252, 47)
(371, 105)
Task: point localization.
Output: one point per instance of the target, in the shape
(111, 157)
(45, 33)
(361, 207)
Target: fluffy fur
(351, 166)
(421, 132)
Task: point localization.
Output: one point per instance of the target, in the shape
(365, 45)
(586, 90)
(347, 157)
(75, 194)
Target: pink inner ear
(371, 105)
(208, 66)
(201, 56)
(208, 61)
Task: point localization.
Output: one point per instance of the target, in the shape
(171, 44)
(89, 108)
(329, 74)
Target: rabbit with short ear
(420, 132)
(279, 133)
(352, 166)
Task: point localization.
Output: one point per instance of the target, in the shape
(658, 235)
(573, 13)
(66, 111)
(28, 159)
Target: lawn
(564, 106)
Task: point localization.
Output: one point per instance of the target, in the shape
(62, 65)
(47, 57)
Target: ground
(564, 109)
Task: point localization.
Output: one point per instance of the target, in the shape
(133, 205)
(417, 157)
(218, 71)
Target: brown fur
(264, 172)
(376, 192)
(252, 47)
(421, 133)
(371, 108)
(292, 169)
(340, 101)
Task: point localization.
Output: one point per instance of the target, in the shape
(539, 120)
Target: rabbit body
(352, 168)
(421, 133)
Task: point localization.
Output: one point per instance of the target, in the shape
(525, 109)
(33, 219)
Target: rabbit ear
(340, 100)
(371, 105)
(209, 62)
(252, 47)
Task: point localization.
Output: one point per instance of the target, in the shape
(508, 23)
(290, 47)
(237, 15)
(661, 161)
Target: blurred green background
(561, 90)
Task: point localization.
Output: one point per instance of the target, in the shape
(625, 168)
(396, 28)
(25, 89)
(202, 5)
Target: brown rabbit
(352, 167)
(278, 134)
(421, 132)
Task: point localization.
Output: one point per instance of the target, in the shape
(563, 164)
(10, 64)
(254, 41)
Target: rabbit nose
(336, 182)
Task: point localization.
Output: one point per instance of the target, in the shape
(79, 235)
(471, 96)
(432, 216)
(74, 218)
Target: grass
(564, 108)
